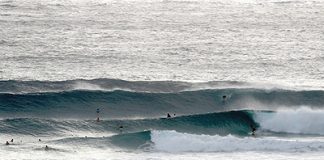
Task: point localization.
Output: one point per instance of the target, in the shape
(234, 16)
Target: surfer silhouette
(224, 99)
(253, 129)
(7, 143)
(98, 111)
(121, 128)
(11, 140)
(168, 115)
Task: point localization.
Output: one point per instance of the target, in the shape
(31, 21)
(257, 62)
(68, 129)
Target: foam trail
(171, 141)
(300, 121)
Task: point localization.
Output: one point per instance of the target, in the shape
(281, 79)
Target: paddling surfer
(224, 99)
(121, 128)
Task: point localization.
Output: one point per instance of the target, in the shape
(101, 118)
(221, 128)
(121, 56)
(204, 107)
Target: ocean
(219, 68)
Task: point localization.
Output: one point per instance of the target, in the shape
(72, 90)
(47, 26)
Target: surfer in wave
(253, 129)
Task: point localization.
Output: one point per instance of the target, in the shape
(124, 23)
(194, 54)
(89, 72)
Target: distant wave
(82, 104)
(22, 87)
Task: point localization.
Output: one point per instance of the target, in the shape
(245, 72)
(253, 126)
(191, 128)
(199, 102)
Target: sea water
(137, 60)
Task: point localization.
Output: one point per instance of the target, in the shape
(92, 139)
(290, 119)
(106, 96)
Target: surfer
(168, 115)
(224, 99)
(98, 111)
(46, 148)
(253, 129)
(121, 128)
(11, 140)
(7, 143)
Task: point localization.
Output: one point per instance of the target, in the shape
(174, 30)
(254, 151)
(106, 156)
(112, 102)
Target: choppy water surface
(242, 40)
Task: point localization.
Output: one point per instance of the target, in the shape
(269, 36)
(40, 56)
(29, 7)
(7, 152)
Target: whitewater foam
(79, 85)
(300, 121)
(172, 141)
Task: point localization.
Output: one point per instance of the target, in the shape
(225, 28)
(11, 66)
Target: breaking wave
(175, 142)
(223, 123)
(302, 121)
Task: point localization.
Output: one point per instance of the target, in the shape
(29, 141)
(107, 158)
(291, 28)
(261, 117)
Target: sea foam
(300, 121)
(172, 141)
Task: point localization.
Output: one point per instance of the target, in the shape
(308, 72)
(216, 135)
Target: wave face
(118, 99)
(233, 122)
